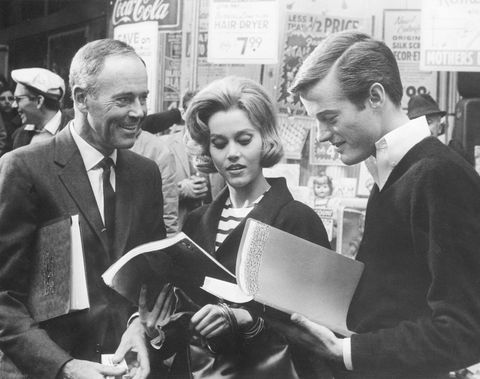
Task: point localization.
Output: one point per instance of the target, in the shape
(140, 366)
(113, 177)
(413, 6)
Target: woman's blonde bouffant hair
(232, 93)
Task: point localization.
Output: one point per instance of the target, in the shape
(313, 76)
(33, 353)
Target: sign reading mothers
(165, 12)
(450, 35)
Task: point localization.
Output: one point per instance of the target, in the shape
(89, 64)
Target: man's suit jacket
(22, 137)
(43, 182)
(156, 149)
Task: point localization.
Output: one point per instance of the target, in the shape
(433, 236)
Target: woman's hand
(153, 320)
(215, 320)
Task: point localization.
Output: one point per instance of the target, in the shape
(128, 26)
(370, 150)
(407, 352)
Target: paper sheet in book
(293, 275)
(225, 290)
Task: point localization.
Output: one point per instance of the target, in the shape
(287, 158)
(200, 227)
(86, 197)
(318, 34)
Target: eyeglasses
(18, 98)
(9, 98)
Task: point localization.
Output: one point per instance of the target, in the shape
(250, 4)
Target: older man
(416, 310)
(38, 97)
(87, 170)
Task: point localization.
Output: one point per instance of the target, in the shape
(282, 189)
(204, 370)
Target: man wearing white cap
(38, 97)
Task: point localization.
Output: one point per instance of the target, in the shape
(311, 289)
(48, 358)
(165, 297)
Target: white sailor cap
(45, 81)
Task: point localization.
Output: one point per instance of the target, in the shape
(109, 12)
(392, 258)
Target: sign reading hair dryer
(243, 31)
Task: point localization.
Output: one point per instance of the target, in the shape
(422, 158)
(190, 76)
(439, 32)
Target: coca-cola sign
(165, 12)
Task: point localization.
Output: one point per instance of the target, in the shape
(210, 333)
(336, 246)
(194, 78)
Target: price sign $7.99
(252, 43)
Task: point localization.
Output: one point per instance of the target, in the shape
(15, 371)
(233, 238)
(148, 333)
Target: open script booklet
(290, 274)
(273, 268)
(176, 260)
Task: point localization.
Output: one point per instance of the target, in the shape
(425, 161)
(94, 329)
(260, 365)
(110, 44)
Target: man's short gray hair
(88, 62)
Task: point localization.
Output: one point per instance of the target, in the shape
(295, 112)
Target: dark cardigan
(417, 307)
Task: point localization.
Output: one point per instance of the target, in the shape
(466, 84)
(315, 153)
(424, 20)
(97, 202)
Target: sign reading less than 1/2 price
(243, 31)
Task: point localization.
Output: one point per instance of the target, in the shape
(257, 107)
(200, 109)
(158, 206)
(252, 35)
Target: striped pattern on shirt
(230, 218)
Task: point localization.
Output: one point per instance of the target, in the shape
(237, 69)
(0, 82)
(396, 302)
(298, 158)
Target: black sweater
(417, 307)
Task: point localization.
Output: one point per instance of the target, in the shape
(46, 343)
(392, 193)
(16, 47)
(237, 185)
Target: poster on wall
(365, 181)
(208, 72)
(450, 35)
(171, 75)
(401, 32)
(293, 133)
(303, 32)
(143, 37)
(322, 153)
(243, 31)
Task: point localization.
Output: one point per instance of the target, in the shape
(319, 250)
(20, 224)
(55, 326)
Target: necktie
(108, 199)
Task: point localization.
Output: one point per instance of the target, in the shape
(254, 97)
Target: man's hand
(194, 187)
(314, 337)
(147, 324)
(134, 339)
(153, 320)
(78, 369)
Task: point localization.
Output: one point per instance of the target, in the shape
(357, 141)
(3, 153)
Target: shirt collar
(53, 124)
(392, 147)
(90, 156)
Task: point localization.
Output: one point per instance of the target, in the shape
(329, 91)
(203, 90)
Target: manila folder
(293, 275)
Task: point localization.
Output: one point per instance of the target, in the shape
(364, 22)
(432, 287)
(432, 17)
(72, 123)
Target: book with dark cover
(177, 260)
(58, 281)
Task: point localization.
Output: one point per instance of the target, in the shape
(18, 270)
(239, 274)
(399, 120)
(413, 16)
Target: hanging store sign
(242, 31)
(450, 35)
(143, 37)
(165, 12)
(302, 33)
(401, 32)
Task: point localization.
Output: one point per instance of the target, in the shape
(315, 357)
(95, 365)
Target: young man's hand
(312, 336)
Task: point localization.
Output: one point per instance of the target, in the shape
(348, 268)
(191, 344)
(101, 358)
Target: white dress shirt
(393, 146)
(390, 149)
(91, 157)
(49, 130)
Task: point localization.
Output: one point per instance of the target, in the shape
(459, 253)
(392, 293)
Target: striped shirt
(230, 219)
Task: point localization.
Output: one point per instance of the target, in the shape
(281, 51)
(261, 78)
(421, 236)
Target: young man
(119, 205)
(38, 97)
(416, 310)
